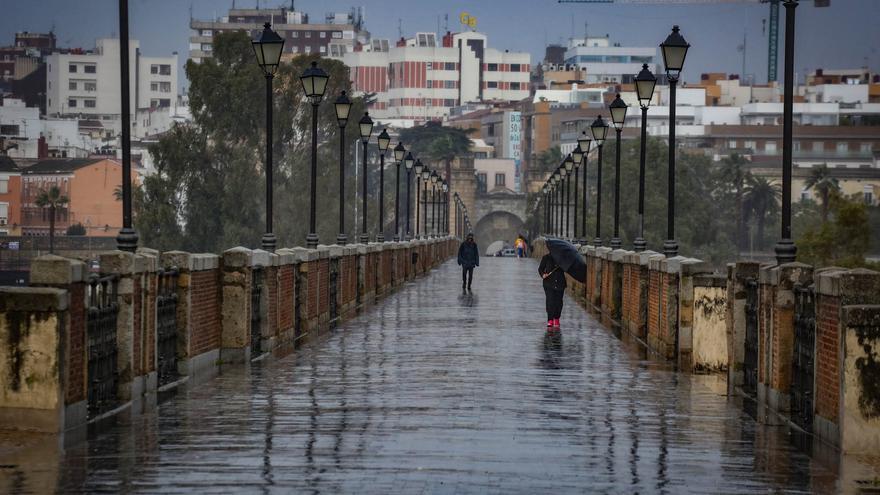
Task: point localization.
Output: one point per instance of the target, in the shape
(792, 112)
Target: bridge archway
(498, 226)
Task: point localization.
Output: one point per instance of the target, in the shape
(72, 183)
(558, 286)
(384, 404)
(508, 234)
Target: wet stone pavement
(434, 391)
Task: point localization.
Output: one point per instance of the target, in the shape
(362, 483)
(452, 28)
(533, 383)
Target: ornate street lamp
(365, 126)
(786, 251)
(343, 107)
(444, 213)
(546, 190)
(584, 143)
(418, 168)
(568, 166)
(645, 82)
(426, 178)
(557, 213)
(314, 82)
(267, 48)
(383, 140)
(127, 239)
(434, 179)
(618, 117)
(577, 156)
(674, 50)
(599, 129)
(399, 152)
(408, 162)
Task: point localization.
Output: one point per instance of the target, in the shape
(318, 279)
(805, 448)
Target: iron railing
(166, 305)
(750, 361)
(298, 303)
(256, 316)
(804, 357)
(101, 332)
(334, 288)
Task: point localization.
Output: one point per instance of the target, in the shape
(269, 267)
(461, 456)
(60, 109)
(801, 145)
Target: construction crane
(773, 35)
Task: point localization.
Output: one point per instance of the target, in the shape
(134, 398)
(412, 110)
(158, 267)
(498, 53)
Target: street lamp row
(268, 48)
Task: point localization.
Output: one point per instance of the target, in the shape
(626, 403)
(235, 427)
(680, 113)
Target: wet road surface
(434, 391)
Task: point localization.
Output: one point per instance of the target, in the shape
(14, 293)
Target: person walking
(468, 259)
(554, 288)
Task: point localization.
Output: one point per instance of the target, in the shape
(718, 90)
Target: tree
(76, 229)
(843, 241)
(733, 172)
(51, 199)
(821, 180)
(548, 160)
(438, 143)
(762, 200)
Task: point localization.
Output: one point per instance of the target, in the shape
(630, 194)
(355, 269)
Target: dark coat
(468, 255)
(556, 280)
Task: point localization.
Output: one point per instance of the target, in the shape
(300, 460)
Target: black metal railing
(804, 356)
(166, 308)
(256, 316)
(334, 288)
(101, 332)
(750, 361)
(298, 303)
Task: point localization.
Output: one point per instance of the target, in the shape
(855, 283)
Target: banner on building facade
(514, 139)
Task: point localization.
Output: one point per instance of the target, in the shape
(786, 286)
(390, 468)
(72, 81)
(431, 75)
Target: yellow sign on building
(468, 20)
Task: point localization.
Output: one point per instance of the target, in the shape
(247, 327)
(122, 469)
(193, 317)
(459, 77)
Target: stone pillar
(146, 322)
(71, 276)
(122, 264)
(236, 306)
(286, 270)
(35, 357)
(738, 275)
(710, 312)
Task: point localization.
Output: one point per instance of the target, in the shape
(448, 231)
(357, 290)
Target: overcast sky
(844, 35)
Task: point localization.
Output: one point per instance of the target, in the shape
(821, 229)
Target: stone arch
(498, 226)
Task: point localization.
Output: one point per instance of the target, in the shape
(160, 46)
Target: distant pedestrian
(520, 245)
(468, 258)
(554, 288)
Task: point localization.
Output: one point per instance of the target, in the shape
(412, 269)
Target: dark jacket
(468, 254)
(556, 280)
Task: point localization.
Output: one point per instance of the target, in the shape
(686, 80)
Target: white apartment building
(603, 61)
(21, 125)
(86, 85)
(421, 80)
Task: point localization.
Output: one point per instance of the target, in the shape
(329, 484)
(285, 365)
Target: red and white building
(418, 79)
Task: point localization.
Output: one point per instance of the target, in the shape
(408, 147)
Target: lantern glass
(577, 156)
(584, 142)
(599, 129)
(314, 82)
(409, 161)
(645, 83)
(399, 152)
(674, 50)
(568, 163)
(618, 112)
(418, 166)
(343, 107)
(426, 175)
(434, 177)
(267, 47)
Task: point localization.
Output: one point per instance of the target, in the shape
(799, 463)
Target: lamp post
(314, 82)
(445, 212)
(568, 165)
(267, 48)
(419, 168)
(127, 239)
(599, 129)
(383, 140)
(584, 143)
(399, 152)
(408, 163)
(426, 177)
(343, 107)
(557, 212)
(645, 82)
(577, 156)
(674, 50)
(786, 251)
(434, 179)
(618, 117)
(546, 190)
(366, 128)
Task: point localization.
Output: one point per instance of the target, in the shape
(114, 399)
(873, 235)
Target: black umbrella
(568, 258)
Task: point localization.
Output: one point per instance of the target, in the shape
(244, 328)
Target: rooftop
(60, 165)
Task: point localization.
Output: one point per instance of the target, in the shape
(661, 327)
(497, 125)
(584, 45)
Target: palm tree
(437, 142)
(761, 198)
(733, 172)
(821, 180)
(52, 199)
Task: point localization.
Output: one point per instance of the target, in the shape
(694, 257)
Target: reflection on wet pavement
(435, 391)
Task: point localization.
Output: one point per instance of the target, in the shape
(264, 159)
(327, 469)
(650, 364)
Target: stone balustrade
(80, 347)
(803, 344)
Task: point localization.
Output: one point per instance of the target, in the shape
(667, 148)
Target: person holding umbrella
(554, 288)
(468, 258)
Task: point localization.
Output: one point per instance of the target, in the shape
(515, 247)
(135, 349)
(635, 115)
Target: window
(818, 146)
(4, 213)
(749, 145)
(308, 49)
(481, 182)
(796, 146)
(90, 86)
(323, 34)
(71, 103)
(89, 103)
(71, 68)
(493, 67)
(731, 144)
(868, 192)
(4, 185)
(842, 147)
(165, 87)
(308, 34)
(615, 59)
(770, 147)
(206, 32)
(449, 66)
(154, 69)
(206, 47)
(154, 86)
(805, 194)
(295, 34)
(294, 49)
(71, 85)
(449, 102)
(89, 69)
(866, 147)
(514, 85)
(492, 84)
(430, 83)
(449, 84)
(337, 34)
(499, 179)
(429, 66)
(323, 49)
(515, 68)
(164, 102)
(9, 130)
(165, 70)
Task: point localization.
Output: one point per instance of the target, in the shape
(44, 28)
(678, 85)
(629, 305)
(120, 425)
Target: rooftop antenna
(445, 22)
(399, 27)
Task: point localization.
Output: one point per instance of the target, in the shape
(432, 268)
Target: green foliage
(548, 160)
(209, 190)
(844, 241)
(76, 229)
(435, 144)
(821, 180)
